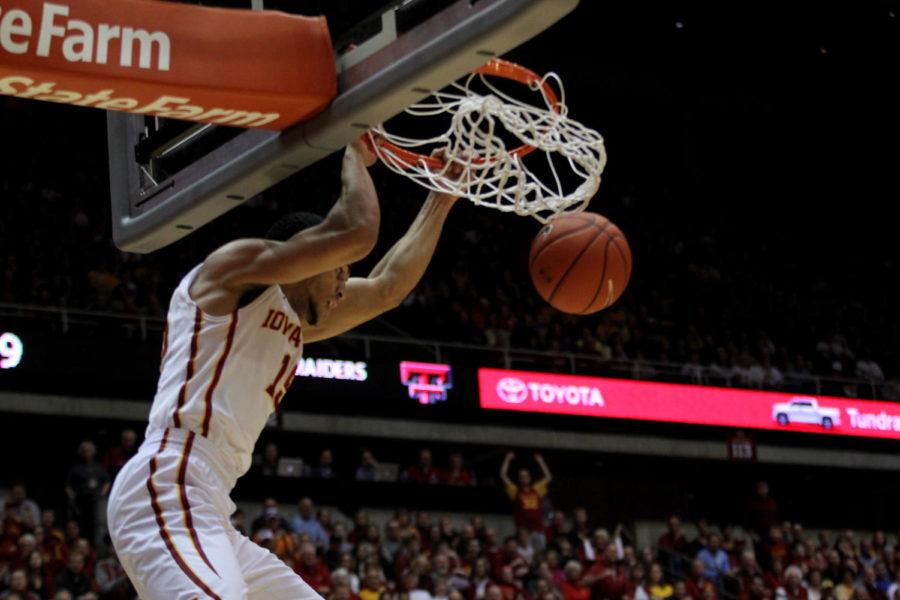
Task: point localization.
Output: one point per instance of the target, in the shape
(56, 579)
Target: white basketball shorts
(169, 520)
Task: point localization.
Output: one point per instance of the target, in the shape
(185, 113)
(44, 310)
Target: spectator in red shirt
(762, 509)
(609, 577)
(673, 545)
(8, 549)
(747, 571)
(423, 472)
(772, 576)
(573, 588)
(526, 495)
(698, 586)
(312, 570)
(116, 457)
(457, 474)
(557, 528)
(509, 585)
(793, 584)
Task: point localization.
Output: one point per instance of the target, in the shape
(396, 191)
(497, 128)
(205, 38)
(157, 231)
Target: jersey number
(276, 396)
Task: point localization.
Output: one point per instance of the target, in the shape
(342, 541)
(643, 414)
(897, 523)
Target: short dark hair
(292, 223)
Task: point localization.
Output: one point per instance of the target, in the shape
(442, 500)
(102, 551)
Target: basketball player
(236, 328)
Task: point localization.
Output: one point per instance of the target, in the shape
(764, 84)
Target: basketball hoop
(494, 175)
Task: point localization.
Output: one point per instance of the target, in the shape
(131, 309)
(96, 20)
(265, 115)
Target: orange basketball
(580, 263)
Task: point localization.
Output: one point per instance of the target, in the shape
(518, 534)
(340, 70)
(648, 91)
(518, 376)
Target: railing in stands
(140, 327)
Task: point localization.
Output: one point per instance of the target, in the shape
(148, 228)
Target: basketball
(580, 263)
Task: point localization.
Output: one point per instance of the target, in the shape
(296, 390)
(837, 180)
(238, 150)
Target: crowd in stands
(698, 306)
(552, 554)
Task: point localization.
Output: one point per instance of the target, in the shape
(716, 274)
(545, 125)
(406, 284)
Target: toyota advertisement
(678, 403)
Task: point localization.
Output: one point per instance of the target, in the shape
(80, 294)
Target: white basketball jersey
(223, 376)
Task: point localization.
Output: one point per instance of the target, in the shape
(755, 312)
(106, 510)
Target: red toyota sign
(678, 403)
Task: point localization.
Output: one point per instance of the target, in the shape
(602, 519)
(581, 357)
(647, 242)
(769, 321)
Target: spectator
(18, 586)
(306, 523)
(869, 370)
(110, 579)
(116, 457)
(793, 584)
(458, 474)
(715, 560)
(325, 468)
(368, 467)
(657, 587)
(372, 584)
(86, 484)
(870, 583)
(762, 509)
(423, 471)
(698, 585)
(480, 578)
(814, 587)
(313, 570)
(411, 584)
(267, 463)
(638, 583)
(573, 588)
(74, 579)
(845, 589)
(673, 544)
(270, 511)
(39, 579)
(392, 542)
(680, 591)
(19, 508)
(527, 496)
(347, 570)
(693, 370)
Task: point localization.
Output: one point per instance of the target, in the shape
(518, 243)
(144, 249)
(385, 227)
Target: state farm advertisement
(168, 59)
(527, 391)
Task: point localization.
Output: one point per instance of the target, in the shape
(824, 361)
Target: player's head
(314, 298)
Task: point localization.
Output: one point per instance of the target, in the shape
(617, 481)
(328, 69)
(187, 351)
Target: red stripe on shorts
(164, 531)
(185, 505)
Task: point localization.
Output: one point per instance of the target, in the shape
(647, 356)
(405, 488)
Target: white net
(495, 173)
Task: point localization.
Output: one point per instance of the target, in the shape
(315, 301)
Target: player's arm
(395, 275)
(347, 234)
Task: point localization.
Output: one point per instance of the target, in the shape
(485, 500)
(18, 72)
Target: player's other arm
(395, 275)
(347, 234)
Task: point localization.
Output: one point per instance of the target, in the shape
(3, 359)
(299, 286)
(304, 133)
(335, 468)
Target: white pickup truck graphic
(802, 409)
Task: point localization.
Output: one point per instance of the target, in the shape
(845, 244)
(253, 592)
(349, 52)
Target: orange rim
(496, 67)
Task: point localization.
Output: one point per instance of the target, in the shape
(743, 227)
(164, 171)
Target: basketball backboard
(168, 178)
